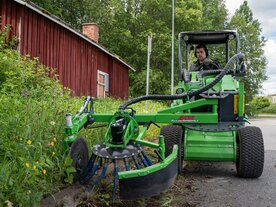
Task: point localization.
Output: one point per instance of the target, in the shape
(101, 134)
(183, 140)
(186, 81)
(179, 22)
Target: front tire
(173, 134)
(250, 152)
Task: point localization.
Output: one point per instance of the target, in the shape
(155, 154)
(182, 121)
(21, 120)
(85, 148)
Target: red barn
(83, 65)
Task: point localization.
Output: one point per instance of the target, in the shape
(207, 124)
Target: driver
(203, 62)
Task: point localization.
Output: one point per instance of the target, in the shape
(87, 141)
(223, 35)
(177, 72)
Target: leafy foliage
(252, 44)
(269, 110)
(32, 107)
(260, 102)
(214, 14)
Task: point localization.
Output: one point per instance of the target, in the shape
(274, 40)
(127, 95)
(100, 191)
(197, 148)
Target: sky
(264, 11)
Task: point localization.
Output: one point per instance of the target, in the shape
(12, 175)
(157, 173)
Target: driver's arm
(216, 63)
(209, 64)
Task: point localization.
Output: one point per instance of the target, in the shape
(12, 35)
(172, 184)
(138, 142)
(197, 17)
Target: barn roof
(57, 20)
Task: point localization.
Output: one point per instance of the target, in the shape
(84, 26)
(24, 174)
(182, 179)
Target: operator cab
(221, 45)
(217, 42)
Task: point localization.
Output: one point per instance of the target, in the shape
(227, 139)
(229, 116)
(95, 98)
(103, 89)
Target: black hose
(202, 73)
(184, 95)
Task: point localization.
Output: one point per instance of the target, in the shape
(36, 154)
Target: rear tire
(250, 152)
(173, 134)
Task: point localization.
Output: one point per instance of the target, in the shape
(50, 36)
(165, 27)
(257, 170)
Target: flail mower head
(217, 131)
(137, 174)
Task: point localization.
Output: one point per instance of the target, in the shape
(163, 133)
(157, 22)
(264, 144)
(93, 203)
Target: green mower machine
(206, 121)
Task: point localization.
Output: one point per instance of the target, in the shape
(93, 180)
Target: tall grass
(32, 107)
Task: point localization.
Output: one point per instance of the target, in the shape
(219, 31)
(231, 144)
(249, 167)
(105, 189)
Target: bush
(270, 109)
(251, 110)
(260, 102)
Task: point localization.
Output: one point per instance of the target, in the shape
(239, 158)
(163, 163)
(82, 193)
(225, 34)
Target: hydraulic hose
(202, 73)
(184, 95)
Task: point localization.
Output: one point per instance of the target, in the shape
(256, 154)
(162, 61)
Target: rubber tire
(250, 152)
(173, 134)
(80, 156)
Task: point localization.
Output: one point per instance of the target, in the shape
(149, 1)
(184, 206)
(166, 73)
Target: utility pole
(172, 75)
(148, 68)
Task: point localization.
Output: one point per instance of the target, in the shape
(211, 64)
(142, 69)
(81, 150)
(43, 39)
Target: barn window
(102, 84)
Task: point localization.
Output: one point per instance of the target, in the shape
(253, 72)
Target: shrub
(270, 109)
(251, 110)
(260, 102)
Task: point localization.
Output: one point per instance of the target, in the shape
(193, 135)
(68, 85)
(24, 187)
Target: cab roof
(208, 36)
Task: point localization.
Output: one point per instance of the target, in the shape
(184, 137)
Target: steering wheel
(208, 66)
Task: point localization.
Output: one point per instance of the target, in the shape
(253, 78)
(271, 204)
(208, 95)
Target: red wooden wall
(76, 58)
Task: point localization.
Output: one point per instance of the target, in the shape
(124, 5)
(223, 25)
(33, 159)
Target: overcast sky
(264, 11)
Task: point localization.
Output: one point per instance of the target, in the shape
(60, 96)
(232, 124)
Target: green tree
(214, 14)
(252, 43)
(133, 21)
(125, 26)
(73, 12)
(51, 6)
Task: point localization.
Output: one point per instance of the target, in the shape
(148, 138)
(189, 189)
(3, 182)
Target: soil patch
(76, 195)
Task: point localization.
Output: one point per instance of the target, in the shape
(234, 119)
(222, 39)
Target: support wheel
(79, 155)
(250, 152)
(173, 134)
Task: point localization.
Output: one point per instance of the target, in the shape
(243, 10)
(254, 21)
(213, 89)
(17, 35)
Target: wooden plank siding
(76, 59)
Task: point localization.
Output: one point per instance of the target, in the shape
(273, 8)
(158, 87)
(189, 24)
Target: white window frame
(105, 84)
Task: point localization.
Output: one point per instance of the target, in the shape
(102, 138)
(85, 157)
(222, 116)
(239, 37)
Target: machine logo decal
(183, 119)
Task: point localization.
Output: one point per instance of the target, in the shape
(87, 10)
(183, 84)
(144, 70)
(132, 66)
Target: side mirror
(241, 70)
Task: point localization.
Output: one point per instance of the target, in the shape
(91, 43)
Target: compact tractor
(205, 122)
